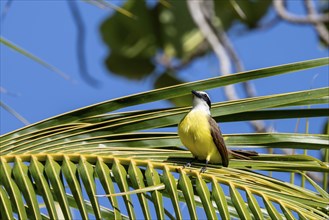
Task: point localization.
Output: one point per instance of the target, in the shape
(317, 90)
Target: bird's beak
(195, 93)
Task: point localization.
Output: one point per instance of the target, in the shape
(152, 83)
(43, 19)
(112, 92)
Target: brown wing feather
(219, 141)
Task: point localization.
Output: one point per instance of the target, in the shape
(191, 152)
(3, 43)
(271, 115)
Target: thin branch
(319, 26)
(5, 9)
(248, 86)
(14, 113)
(197, 14)
(238, 9)
(81, 42)
(259, 126)
(33, 57)
(102, 4)
(202, 13)
(279, 6)
(260, 27)
(209, 13)
(5, 91)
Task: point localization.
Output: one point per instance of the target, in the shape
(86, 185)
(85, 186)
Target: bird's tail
(243, 154)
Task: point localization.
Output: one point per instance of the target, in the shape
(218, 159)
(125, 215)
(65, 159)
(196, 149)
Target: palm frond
(71, 159)
(79, 172)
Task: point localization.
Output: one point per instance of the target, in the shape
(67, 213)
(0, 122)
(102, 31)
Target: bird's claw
(189, 164)
(203, 169)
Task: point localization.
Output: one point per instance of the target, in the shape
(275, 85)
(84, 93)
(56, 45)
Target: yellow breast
(194, 132)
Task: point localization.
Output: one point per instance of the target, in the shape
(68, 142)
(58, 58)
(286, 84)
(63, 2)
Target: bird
(200, 133)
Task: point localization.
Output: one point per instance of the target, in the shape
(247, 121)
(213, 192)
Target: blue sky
(46, 29)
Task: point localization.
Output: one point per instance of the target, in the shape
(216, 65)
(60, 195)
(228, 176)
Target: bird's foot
(189, 164)
(203, 169)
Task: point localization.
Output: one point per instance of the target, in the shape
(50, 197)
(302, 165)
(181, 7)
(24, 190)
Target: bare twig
(279, 6)
(238, 9)
(260, 27)
(5, 9)
(33, 57)
(102, 4)
(14, 113)
(319, 26)
(248, 86)
(195, 8)
(202, 14)
(81, 39)
(5, 91)
(208, 11)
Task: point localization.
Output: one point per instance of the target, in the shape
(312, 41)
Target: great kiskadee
(200, 133)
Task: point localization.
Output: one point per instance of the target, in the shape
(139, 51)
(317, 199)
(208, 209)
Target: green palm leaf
(291, 197)
(73, 158)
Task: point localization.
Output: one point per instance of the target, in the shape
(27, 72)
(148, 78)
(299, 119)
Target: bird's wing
(219, 141)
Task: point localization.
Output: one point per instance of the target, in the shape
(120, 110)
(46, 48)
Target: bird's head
(201, 100)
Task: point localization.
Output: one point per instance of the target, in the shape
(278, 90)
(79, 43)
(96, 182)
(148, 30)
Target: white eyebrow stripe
(204, 93)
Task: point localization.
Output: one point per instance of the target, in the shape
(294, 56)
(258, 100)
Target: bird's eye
(206, 98)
